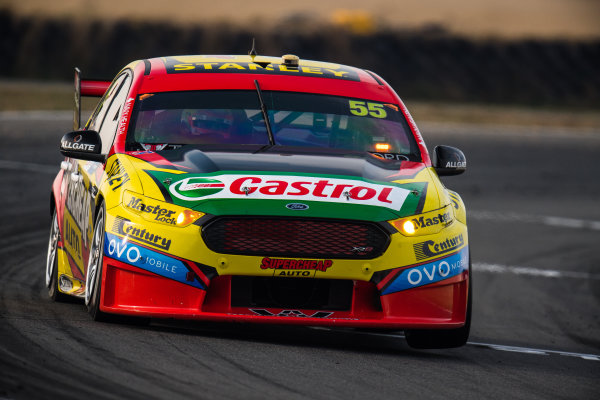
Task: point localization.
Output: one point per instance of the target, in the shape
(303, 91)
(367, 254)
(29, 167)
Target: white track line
(541, 352)
(521, 270)
(561, 222)
(492, 346)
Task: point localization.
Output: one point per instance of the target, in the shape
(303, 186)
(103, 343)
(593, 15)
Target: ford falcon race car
(259, 189)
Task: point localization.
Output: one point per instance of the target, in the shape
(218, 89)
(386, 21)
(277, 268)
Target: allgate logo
(286, 187)
(196, 188)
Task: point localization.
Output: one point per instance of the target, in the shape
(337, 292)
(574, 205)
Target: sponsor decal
(117, 175)
(290, 313)
(285, 187)
(281, 263)
(141, 257)
(423, 222)
(72, 240)
(151, 147)
(196, 188)
(361, 250)
(296, 206)
(141, 234)
(456, 164)
(391, 156)
(125, 116)
(431, 248)
(79, 204)
(454, 199)
(159, 213)
(334, 71)
(432, 272)
(77, 146)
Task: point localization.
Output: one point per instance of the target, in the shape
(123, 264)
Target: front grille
(294, 237)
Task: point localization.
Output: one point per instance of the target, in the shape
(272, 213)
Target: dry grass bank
(473, 18)
(31, 95)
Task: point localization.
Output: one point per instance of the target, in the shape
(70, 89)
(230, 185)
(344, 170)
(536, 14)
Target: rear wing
(88, 88)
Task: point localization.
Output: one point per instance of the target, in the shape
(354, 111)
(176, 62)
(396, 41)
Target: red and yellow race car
(259, 189)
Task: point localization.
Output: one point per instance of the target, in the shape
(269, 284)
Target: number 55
(362, 108)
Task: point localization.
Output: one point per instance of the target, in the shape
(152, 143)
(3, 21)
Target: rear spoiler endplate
(88, 88)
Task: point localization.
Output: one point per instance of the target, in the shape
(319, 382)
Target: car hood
(283, 184)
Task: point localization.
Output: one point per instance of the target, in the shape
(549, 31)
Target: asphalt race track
(534, 218)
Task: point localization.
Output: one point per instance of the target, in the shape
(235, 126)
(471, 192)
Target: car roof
(239, 72)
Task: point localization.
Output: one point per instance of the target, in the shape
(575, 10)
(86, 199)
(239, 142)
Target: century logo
(431, 248)
(141, 234)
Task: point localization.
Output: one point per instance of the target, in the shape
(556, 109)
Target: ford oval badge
(296, 206)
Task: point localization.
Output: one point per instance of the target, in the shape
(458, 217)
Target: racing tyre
(93, 280)
(52, 262)
(443, 338)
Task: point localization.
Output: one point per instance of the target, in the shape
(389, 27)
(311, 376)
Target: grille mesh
(289, 237)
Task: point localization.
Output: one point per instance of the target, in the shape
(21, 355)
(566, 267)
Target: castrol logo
(286, 187)
(196, 188)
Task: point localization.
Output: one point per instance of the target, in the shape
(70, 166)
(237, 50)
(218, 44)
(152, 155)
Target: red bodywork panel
(440, 305)
(94, 88)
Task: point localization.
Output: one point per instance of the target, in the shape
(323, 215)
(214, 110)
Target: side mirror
(83, 145)
(449, 160)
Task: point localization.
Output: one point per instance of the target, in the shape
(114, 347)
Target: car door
(82, 179)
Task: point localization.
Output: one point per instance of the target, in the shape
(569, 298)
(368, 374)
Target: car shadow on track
(346, 339)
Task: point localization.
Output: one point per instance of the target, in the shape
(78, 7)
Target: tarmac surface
(534, 229)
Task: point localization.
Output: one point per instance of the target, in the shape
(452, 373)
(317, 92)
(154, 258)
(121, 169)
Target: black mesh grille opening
(288, 237)
(291, 293)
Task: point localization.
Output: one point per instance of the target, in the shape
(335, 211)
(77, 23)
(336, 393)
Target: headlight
(159, 211)
(424, 224)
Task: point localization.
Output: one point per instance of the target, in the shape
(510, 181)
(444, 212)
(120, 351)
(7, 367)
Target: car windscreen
(297, 120)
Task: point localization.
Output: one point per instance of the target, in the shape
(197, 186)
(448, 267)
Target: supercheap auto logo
(286, 187)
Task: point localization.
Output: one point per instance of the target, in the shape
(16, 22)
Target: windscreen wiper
(263, 108)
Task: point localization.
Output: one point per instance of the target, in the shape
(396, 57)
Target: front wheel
(93, 280)
(52, 262)
(443, 338)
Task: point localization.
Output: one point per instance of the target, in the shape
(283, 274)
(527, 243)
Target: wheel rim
(95, 257)
(52, 246)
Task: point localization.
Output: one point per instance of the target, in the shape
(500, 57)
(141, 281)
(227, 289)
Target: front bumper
(401, 289)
